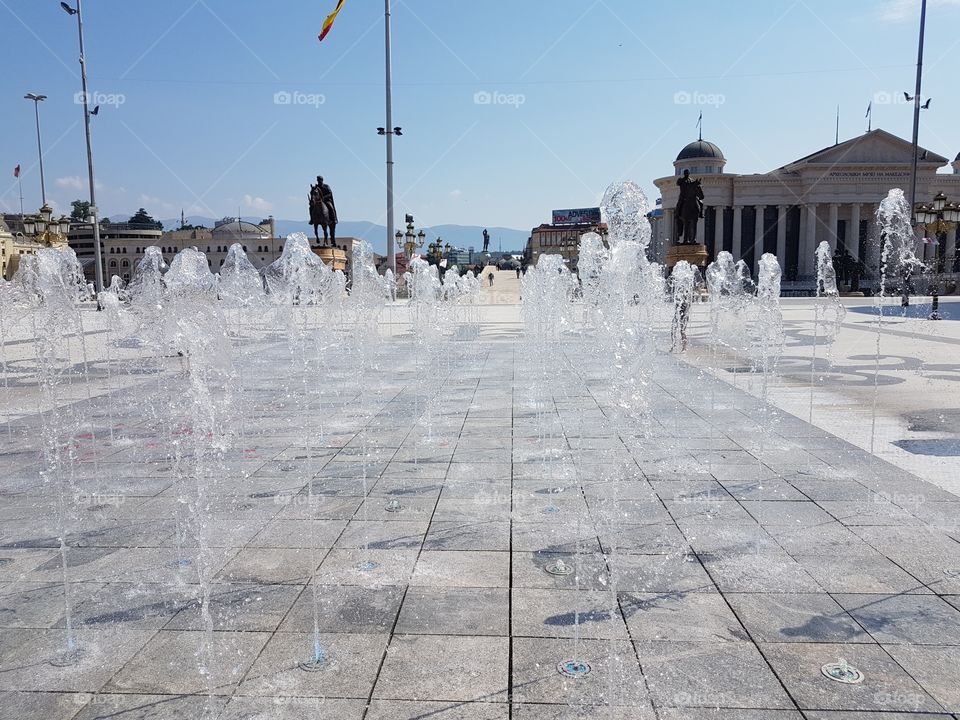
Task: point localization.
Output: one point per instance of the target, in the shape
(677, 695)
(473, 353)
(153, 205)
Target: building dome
(239, 231)
(700, 149)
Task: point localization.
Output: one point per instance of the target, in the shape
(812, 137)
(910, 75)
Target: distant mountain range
(461, 236)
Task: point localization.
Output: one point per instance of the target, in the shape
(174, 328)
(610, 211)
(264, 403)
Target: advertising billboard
(576, 216)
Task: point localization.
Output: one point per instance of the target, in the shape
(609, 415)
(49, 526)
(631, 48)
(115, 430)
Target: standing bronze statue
(689, 209)
(323, 212)
(486, 241)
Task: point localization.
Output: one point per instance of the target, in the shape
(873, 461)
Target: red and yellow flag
(328, 23)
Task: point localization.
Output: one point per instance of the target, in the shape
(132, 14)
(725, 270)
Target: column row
(813, 229)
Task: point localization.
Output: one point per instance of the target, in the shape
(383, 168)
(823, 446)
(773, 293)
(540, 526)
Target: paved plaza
(452, 528)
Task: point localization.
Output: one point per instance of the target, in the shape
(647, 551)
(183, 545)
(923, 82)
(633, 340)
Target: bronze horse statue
(323, 212)
(689, 208)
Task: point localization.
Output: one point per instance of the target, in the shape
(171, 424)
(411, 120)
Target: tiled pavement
(717, 566)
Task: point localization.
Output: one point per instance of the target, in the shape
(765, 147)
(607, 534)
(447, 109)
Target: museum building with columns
(832, 194)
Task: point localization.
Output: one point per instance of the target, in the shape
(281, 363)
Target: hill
(462, 236)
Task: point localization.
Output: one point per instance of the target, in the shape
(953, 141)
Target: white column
(669, 229)
(853, 232)
(782, 235)
(759, 211)
(951, 252)
(702, 228)
(832, 236)
(737, 246)
(808, 245)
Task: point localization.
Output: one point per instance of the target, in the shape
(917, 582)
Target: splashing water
(828, 313)
(684, 281)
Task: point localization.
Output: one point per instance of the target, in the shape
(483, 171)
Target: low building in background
(462, 258)
(562, 236)
(122, 246)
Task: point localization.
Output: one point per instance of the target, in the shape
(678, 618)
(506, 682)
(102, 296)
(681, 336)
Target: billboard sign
(576, 216)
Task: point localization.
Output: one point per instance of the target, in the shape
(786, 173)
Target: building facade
(832, 195)
(124, 244)
(559, 239)
(14, 245)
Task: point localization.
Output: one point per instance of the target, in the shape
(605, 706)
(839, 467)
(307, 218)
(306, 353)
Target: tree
(142, 217)
(81, 211)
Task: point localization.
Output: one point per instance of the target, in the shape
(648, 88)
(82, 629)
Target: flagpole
(388, 54)
(20, 183)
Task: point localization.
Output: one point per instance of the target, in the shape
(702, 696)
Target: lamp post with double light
(937, 219)
(37, 99)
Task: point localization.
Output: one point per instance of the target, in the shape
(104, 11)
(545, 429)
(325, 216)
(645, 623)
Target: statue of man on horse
(323, 212)
(689, 209)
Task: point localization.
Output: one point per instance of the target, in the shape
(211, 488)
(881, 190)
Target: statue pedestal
(334, 258)
(696, 255)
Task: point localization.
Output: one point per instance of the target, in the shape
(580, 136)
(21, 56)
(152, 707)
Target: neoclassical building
(832, 194)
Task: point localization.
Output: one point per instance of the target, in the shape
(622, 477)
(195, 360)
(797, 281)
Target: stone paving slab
(712, 571)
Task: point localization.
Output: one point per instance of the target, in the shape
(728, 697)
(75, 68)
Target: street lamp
(37, 99)
(937, 219)
(98, 251)
(411, 240)
(43, 229)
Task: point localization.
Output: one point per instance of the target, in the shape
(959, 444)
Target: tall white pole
(391, 249)
(94, 212)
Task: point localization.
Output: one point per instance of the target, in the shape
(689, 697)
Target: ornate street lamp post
(938, 218)
(44, 229)
(411, 241)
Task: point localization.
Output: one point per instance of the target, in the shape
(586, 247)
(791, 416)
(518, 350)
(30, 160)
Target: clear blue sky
(199, 128)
